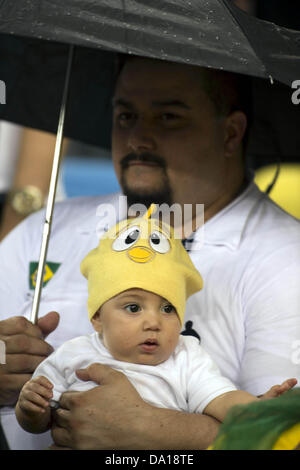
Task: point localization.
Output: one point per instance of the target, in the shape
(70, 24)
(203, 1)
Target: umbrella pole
(52, 193)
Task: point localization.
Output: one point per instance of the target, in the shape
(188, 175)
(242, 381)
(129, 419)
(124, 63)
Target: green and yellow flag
(50, 270)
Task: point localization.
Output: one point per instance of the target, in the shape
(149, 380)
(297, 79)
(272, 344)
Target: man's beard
(140, 196)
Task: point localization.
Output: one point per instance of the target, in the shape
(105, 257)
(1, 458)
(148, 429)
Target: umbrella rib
(52, 193)
(230, 8)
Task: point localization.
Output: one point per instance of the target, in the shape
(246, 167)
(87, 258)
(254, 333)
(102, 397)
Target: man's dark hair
(229, 92)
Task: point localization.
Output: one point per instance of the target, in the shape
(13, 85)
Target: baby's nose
(152, 320)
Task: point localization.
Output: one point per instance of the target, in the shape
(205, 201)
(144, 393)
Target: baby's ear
(96, 322)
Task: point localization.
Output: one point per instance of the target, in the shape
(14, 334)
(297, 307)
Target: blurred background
(88, 170)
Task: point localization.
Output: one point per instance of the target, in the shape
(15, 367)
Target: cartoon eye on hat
(140, 246)
(127, 238)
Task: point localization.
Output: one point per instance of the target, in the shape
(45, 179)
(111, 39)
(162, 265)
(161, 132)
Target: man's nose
(141, 137)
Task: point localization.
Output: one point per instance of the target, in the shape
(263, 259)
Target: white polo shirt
(247, 314)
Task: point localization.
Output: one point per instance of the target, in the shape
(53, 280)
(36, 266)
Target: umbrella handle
(52, 193)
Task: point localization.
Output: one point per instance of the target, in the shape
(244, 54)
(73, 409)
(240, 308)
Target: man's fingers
(67, 401)
(99, 373)
(20, 363)
(22, 343)
(83, 374)
(13, 381)
(55, 447)
(62, 418)
(19, 325)
(10, 386)
(62, 436)
(48, 323)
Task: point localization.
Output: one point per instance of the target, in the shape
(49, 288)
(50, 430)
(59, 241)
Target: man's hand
(25, 348)
(99, 418)
(114, 416)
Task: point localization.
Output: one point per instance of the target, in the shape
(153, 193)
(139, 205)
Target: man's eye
(169, 116)
(125, 119)
(132, 308)
(171, 120)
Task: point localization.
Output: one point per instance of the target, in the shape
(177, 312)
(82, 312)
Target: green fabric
(258, 425)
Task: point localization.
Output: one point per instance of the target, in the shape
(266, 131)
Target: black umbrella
(212, 33)
(34, 48)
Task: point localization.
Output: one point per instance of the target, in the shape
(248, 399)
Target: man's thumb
(98, 373)
(48, 323)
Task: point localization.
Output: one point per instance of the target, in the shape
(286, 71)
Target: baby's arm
(32, 410)
(219, 407)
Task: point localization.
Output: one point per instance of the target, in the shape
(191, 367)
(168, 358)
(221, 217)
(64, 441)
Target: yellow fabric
(170, 274)
(289, 439)
(286, 191)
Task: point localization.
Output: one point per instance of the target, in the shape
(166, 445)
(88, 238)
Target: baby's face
(138, 326)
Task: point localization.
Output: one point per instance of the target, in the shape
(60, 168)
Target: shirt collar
(227, 227)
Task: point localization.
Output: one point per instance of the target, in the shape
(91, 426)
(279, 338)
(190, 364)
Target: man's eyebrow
(121, 102)
(174, 103)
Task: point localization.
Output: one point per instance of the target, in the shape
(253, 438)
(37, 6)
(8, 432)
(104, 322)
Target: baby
(139, 278)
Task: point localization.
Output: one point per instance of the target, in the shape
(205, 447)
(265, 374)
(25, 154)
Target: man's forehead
(165, 80)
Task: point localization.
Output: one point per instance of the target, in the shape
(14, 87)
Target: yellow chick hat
(140, 253)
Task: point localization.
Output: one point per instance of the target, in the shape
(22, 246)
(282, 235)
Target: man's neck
(211, 210)
(225, 199)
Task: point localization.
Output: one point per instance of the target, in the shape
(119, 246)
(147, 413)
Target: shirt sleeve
(272, 321)
(204, 380)
(15, 251)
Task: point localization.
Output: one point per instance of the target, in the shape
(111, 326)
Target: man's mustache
(142, 157)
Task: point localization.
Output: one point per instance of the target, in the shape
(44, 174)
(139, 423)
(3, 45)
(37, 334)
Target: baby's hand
(278, 390)
(35, 395)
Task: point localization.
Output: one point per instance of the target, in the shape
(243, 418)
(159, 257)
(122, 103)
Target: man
(177, 137)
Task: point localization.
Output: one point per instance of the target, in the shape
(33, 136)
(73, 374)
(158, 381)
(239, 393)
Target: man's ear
(235, 128)
(96, 322)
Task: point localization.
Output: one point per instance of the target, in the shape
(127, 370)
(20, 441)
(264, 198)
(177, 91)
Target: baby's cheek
(120, 344)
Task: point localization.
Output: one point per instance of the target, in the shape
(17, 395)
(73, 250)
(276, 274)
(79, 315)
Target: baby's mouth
(149, 345)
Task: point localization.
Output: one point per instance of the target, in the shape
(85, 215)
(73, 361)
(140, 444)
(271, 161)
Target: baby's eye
(159, 242)
(132, 308)
(169, 308)
(126, 239)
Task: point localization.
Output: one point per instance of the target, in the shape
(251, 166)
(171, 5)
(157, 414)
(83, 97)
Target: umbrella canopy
(212, 33)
